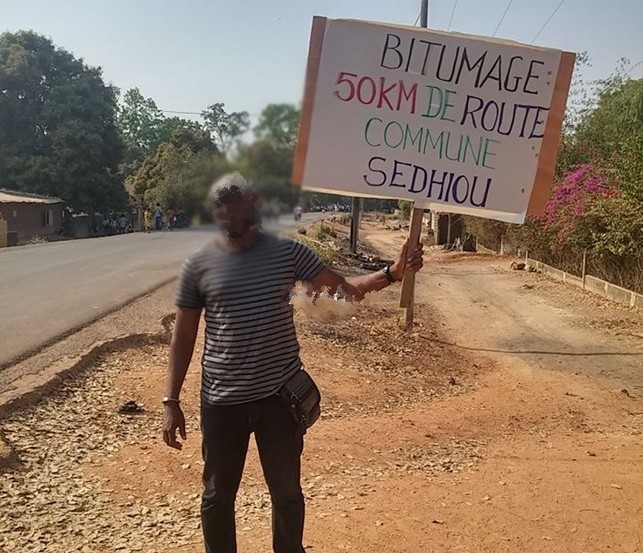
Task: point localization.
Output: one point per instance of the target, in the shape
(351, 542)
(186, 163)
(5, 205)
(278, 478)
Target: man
(147, 219)
(244, 279)
(171, 215)
(123, 224)
(158, 216)
(298, 212)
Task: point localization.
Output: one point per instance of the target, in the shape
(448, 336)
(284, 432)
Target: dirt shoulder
(510, 316)
(423, 446)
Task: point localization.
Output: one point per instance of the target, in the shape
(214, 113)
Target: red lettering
(383, 94)
(342, 78)
(396, 97)
(360, 88)
(411, 96)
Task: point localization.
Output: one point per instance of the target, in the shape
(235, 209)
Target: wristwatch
(167, 400)
(388, 275)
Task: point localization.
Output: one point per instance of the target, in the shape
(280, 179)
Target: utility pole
(407, 296)
(354, 224)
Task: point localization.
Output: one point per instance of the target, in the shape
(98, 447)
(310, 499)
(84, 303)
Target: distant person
(298, 212)
(171, 218)
(147, 219)
(123, 223)
(158, 217)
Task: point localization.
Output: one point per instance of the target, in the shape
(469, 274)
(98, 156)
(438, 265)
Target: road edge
(57, 338)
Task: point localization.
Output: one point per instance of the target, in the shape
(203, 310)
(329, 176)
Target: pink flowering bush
(596, 205)
(570, 216)
(586, 212)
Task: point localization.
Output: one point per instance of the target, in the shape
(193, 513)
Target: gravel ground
(53, 503)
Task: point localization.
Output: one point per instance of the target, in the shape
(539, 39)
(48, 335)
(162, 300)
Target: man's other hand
(173, 420)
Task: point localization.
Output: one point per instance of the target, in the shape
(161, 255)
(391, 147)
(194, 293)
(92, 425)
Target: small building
(29, 215)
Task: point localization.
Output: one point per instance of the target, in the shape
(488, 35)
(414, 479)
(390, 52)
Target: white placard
(452, 122)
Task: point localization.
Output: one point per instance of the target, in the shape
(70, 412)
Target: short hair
(230, 185)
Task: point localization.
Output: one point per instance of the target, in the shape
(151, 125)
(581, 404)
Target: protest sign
(452, 122)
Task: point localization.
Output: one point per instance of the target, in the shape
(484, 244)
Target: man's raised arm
(356, 287)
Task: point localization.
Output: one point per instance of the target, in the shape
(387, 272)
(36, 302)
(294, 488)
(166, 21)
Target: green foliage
(579, 97)
(139, 121)
(279, 123)
(185, 180)
(266, 157)
(488, 231)
(143, 128)
(226, 128)
(405, 208)
(179, 173)
(619, 227)
(325, 231)
(597, 199)
(614, 133)
(269, 164)
(327, 254)
(58, 133)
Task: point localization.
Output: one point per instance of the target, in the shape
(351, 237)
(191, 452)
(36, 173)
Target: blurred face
(237, 214)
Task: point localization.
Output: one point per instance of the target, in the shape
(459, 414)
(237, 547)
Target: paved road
(48, 290)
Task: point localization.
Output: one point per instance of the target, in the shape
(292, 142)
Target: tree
(269, 164)
(613, 133)
(405, 208)
(139, 121)
(264, 157)
(143, 126)
(177, 172)
(225, 128)
(196, 140)
(58, 133)
(183, 178)
(279, 122)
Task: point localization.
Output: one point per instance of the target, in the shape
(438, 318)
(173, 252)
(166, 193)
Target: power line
(503, 17)
(455, 5)
(417, 20)
(548, 20)
(197, 113)
(180, 112)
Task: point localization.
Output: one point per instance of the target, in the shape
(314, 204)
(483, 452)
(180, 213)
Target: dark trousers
(226, 433)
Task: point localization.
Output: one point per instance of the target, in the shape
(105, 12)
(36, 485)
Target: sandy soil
(508, 420)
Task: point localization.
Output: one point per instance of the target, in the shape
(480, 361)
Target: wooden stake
(354, 236)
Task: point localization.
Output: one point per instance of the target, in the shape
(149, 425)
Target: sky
(247, 54)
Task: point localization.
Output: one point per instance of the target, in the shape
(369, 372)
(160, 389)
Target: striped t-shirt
(251, 348)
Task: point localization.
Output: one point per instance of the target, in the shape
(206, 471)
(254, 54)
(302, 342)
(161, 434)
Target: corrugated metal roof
(11, 196)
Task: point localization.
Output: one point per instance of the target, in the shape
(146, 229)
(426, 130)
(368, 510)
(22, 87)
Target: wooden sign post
(448, 121)
(407, 296)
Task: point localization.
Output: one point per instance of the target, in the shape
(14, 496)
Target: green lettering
(368, 125)
(408, 137)
(486, 152)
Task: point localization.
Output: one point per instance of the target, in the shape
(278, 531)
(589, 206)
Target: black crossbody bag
(302, 397)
